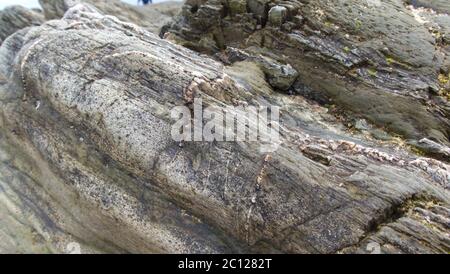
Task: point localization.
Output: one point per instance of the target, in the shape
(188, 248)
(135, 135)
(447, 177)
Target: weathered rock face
(151, 17)
(441, 6)
(86, 156)
(277, 16)
(379, 60)
(15, 18)
(55, 9)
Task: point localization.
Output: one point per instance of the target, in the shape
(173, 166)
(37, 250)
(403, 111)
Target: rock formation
(383, 61)
(151, 17)
(15, 18)
(86, 154)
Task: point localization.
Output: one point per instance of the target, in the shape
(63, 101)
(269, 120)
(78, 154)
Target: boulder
(277, 16)
(279, 76)
(152, 17)
(15, 18)
(87, 159)
(361, 56)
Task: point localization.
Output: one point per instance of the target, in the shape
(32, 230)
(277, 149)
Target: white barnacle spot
(197, 74)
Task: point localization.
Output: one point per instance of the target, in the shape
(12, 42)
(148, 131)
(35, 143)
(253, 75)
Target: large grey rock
(151, 17)
(380, 60)
(277, 16)
(441, 6)
(391, 237)
(55, 9)
(86, 156)
(279, 76)
(15, 18)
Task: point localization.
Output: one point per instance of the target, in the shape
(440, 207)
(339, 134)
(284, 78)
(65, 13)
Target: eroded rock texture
(86, 153)
(151, 17)
(15, 18)
(380, 60)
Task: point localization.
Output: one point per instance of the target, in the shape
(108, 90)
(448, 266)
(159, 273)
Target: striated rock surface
(151, 17)
(441, 6)
(15, 18)
(383, 61)
(86, 154)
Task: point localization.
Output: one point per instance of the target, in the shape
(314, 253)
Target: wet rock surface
(86, 154)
